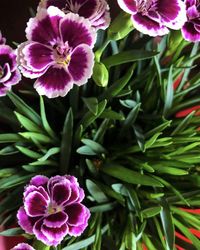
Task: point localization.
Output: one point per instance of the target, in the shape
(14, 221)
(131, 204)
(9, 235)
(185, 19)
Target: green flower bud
(120, 27)
(100, 74)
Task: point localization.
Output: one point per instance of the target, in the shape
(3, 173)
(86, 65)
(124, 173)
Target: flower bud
(120, 27)
(100, 74)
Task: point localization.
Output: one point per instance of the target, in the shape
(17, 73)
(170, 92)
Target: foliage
(137, 162)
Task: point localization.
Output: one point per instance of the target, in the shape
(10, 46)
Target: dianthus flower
(52, 209)
(9, 73)
(58, 51)
(23, 246)
(191, 29)
(96, 11)
(155, 17)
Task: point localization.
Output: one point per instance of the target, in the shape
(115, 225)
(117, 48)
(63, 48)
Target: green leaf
(128, 56)
(96, 147)
(49, 153)
(25, 109)
(36, 136)
(89, 117)
(187, 233)
(129, 176)
(30, 153)
(92, 104)
(158, 129)
(6, 172)
(183, 124)
(118, 86)
(66, 143)
(103, 208)
(152, 140)
(112, 115)
(85, 150)
(170, 92)
(151, 212)
(12, 232)
(28, 124)
(84, 243)
(96, 192)
(132, 116)
(6, 138)
(44, 119)
(167, 222)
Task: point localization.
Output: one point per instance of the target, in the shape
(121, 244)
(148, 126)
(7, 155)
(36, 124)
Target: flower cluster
(9, 73)
(52, 209)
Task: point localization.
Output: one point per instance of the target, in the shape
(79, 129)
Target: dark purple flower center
(62, 54)
(144, 6)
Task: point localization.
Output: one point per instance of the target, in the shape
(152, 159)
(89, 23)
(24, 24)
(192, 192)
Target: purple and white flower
(58, 51)
(155, 17)
(23, 246)
(96, 11)
(9, 73)
(191, 29)
(52, 209)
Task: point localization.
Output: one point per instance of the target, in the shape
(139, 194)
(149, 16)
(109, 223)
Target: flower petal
(190, 33)
(61, 192)
(23, 246)
(173, 13)
(3, 90)
(81, 64)
(24, 68)
(7, 55)
(38, 56)
(148, 26)
(76, 213)
(55, 82)
(35, 204)
(6, 73)
(37, 230)
(56, 220)
(44, 28)
(14, 78)
(55, 234)
(78, 230)
(128, 6)
(77, 30)
(39, 180)
(25, 222)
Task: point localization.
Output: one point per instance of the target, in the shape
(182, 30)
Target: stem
(100, 51)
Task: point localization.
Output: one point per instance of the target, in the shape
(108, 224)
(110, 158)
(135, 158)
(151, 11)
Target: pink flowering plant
(99, 126)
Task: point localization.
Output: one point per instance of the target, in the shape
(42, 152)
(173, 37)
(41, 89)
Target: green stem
(100, 51)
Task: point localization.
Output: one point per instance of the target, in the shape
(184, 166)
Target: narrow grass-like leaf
(25, 109)
(66, 143)
(129, 176)
(44, 120)
(30, 153)
(12, 232)
(96, 192)
(49, 153)
(96, 147)
(6, 138)
(167, 222)
(84, 243)
(128, 56)
(92, 104)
